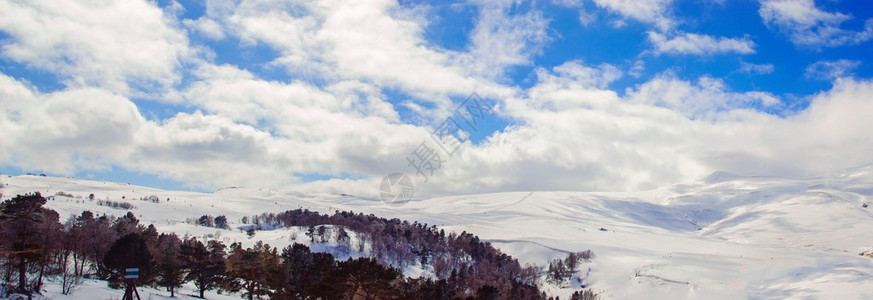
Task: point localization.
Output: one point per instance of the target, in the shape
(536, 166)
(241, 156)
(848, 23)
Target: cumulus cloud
(333, 118)
(570, 132)
(807, 25)
(501, 38)
(707, 98)
(577, 136)
(376, 42)
(317, 132)
(65, 130)
(654, 12)
(831, 69)
(381, 44)
(128, 47)
(207, 27)
(698, 44)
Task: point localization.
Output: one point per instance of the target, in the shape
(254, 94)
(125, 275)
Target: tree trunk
(38, 285)
(22, 264)
(22, 273)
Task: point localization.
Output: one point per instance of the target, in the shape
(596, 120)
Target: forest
(36, 246)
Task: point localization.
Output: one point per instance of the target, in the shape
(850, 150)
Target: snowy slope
(723, 237)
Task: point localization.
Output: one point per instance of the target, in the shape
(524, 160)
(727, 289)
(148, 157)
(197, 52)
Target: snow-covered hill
(723, 237)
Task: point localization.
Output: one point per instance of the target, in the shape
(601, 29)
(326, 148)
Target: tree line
(399, 243)
(35, 246)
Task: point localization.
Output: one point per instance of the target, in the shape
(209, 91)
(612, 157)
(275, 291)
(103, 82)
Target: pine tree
(168, 263)
(367, 278)
(343, 240)
(100, 238)
(247, 270)
(487, 292)
(21, 221)
(221, 222)
(130, 251)
(126, 224)
(51, 234)
(302, 269)
(205, 266)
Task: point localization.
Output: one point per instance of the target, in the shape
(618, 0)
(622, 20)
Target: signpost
(130, 277)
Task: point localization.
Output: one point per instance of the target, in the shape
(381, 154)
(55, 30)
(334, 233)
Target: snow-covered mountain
(722, 237)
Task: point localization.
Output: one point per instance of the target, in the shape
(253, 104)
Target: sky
(463, 97)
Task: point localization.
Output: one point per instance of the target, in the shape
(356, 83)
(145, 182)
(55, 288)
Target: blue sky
(331, 96)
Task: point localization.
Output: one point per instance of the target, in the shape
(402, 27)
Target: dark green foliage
(169, 265)
(204, 265)
(398, 243)
(366, 278)
(248, 269)
(428, 289)
(206, 221)
(558, 272)
(221, 222)
(29, 234)
(130, 251)
(127, 224)
(487, 293)
(466, 267)
(301, 269)
(585, 295)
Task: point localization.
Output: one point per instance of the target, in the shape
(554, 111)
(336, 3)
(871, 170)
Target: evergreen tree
(22, 221)
(221, 222)
(169, 265)
(51, 233)
(343, 240)
(205, 266)
(366, 278)
(100, 238)
(584, 295)
(488, 293)
(130, 251)
(126, 224)
(302, 269)
(246, 270)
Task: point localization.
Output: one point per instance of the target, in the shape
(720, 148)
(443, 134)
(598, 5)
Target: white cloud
(340, 130)
(206, 26)
(751, 68)
(568, 131)
(636, 70)
(350, 41)
(832, 69)
(585, 17)
(707, 98)
(127, 47)
(381, 44)
(667, 130)
(807, 25)
(574, 73)
(293, 109)
(500, 40)
(65, 130)
(655, 12)
(698, 44)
